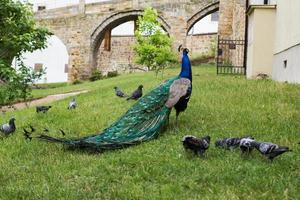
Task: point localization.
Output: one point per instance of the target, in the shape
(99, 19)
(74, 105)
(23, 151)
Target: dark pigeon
(42, 109)
(119, 92)
(270, 150)
(138, 93)
(72, 104)
(197, 145)
(246, 146)
(8, 128)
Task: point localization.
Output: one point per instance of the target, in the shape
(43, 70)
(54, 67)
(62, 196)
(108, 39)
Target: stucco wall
(260, 40)
(287, 24)
(287, 45)
(290, 73)
(54, 58)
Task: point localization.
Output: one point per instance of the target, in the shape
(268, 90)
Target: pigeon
(72, 104)
(230, 143)
(42, 109)
(137, 93)
(246, 146)
(270, 150)
(8, 128)
(119, 92)
(27, 134)
(197, 145)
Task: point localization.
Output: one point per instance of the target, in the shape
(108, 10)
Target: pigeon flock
(138, 93)
(10, 127)
(197, 145)
(246, 145)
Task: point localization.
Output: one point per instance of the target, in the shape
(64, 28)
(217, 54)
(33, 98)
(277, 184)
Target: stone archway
(201, 14)
(111, 22)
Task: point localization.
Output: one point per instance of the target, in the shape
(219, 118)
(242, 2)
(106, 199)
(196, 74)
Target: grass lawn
(220, 106)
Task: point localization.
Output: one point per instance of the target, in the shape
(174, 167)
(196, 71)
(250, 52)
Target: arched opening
(111, 42)
(202, 34)
(54, 59)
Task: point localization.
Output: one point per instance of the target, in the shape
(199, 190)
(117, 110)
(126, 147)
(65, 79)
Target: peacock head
(140, 87)
(115, 87)
(184, 50)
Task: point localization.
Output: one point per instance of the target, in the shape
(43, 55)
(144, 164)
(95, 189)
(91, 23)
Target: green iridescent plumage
(142, 122)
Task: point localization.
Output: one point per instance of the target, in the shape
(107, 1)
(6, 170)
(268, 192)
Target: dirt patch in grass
(41, 101)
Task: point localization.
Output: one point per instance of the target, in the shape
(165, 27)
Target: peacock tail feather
(142, 122)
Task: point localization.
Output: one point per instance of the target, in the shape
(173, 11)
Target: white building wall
(205, 25)
(290, 72)
(287, 42)
(53, 58)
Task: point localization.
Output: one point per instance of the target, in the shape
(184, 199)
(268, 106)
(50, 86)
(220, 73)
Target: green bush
(112, 74)
(77, 82)
(96, 75)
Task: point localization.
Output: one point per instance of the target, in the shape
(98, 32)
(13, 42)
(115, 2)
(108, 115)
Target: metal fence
(230, 56)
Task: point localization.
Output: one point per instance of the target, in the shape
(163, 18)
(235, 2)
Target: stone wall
(120, 57)
(232, 19)
(200, 44)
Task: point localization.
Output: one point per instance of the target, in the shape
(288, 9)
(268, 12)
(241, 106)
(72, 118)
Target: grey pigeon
(42, 109)
(137, 93)
(197, 145)
(72, 104)
(8, 128)
(119, 92)
(246, 146)
(269, 150)
(230, 143)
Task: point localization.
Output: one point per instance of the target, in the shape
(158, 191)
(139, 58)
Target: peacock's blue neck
(186, 69)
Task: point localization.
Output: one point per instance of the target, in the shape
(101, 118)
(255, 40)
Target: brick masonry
(81, 27)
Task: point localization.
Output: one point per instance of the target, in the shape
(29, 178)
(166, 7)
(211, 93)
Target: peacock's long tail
(142, 122)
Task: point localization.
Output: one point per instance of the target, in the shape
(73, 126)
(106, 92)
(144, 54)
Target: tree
(153, 47)
(19, 33)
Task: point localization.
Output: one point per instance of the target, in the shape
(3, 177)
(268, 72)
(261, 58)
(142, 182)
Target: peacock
(145, 119)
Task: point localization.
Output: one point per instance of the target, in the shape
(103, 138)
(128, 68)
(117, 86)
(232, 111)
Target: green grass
(220, 106)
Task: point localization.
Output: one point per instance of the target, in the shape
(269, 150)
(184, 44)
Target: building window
(41, 8)
(66, 68)
(215, 17)
(107, 40)
(285, 64)
(38, 67)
